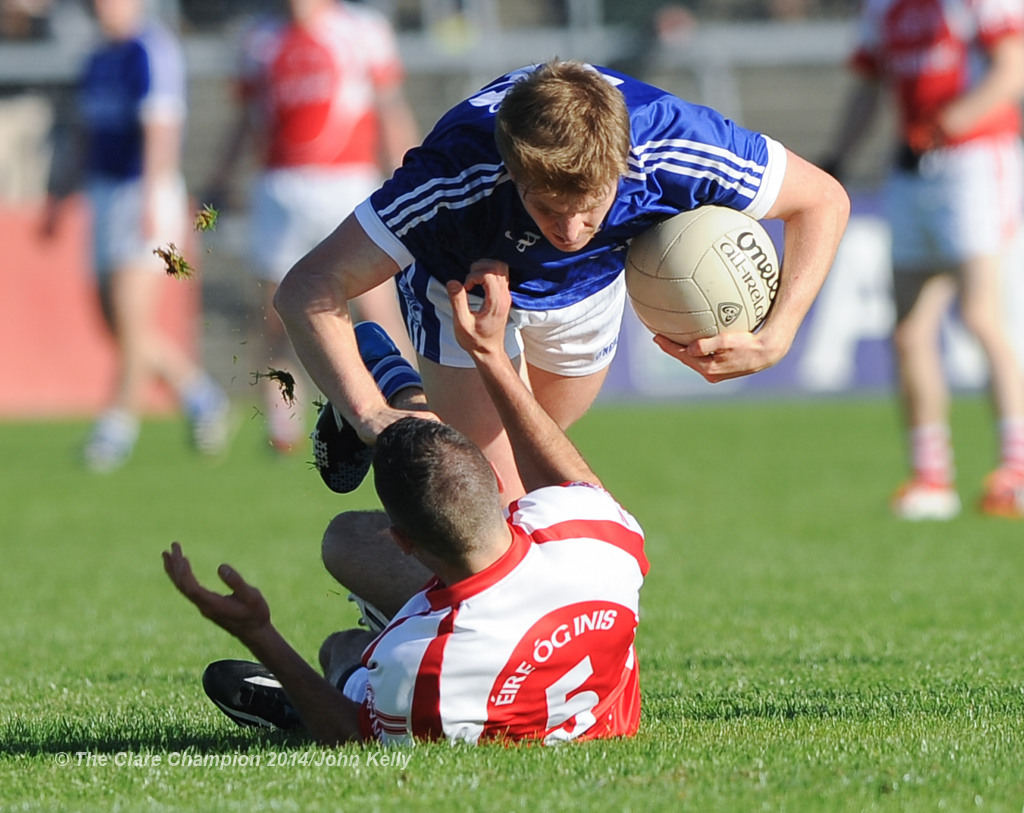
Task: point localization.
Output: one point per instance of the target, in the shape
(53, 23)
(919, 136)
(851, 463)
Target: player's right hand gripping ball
(339, 455)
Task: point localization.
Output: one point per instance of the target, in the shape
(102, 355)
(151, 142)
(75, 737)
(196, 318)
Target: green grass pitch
(799, 648)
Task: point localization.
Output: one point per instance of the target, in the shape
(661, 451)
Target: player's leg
(923, 287)
(983, 313)
(986, 216)
(134, 296)
(921, 301)
(458, 397)
(568, 351)
(342, 652)
(358, 551)
(205, 404)
(113, 435)
(566, 398)
(147, 353)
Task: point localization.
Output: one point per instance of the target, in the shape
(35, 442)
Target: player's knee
(346, 535)
(337, 538)
(983, 322)
(911, 335)
(901, 337)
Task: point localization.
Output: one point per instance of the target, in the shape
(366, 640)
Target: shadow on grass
(75, 737)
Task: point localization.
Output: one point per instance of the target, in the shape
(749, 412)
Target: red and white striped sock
(931, 454)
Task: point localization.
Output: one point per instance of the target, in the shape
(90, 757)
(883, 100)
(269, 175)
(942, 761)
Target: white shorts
(118, 238)
(355, 685)
(293, 209)
(963, 201)
(576, 340)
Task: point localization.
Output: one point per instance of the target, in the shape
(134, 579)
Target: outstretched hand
(244, 612)
(482, 332)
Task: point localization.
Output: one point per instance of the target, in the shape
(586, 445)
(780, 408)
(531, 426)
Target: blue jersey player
(545, 175)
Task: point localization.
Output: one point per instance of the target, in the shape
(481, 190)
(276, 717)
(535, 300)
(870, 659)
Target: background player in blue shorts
(550, 171)
(131, 111)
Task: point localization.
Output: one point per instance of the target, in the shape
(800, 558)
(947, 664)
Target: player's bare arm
(544, 455)
(161, 159)
(327, 714)
(815, 209)
(399, 131)
(1003, 83)
(312, 301)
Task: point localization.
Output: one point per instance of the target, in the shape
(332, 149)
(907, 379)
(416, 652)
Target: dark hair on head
(436, 487)
(564, 130)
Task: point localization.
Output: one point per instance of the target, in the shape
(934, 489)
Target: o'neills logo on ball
(729, 312)
(754, 267)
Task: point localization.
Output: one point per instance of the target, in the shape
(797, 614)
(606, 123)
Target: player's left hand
(244, 612)
(725, 356)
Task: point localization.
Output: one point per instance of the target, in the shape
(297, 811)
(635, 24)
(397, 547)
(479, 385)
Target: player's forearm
(329, 716)
(544, 455)
(162, 150)
(1002, 85)
(324, 341)
(399, 131)
(815, 209)
(312, 302)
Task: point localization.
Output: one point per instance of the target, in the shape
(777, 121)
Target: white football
(708, 271)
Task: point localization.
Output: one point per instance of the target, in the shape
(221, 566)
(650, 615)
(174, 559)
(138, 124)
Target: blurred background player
(321, 101)
(954, 200)
(131, 111)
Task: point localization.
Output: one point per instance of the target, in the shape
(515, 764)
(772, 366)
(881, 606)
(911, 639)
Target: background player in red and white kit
(321, 100)
(954, 197)
(526, 628)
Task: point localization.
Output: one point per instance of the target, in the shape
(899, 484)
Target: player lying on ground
(526, 628)
(551, 170)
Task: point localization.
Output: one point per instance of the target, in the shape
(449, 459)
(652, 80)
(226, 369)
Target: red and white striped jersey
(934, 51)
(316, 85)
(537, 646)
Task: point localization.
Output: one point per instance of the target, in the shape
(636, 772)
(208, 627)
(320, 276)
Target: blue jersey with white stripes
(124, 81)
(452, 201)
